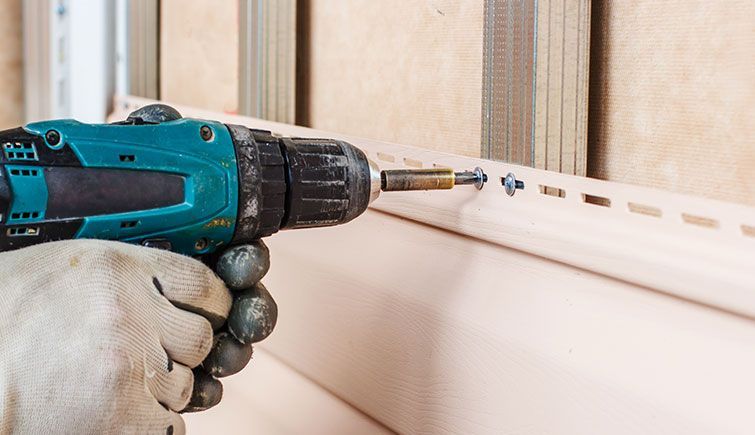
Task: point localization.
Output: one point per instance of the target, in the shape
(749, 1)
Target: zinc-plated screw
(511, 184)
(476, 177)
(53, 137)
(480, 178)
(206, 133)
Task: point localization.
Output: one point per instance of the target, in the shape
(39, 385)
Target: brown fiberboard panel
(11, 84)
(399, 71)
(199, 53)
(672, 98)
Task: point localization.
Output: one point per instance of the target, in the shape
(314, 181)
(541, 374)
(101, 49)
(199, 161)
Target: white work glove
(100, 337)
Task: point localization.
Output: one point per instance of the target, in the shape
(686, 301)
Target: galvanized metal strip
(267, 59)
(143, 48)
(535, 72)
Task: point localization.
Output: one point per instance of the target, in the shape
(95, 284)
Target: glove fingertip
(243, 266)
(227, 357)
(207, 392)
(253, 315)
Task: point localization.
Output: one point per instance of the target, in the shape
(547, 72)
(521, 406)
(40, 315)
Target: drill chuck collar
(287, 183)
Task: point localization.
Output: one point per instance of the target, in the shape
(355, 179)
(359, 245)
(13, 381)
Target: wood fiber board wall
(199, 53)
(408, 72)
(672, 98)
(11, 66)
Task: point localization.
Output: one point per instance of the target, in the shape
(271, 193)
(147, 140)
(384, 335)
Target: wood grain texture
(408, 72)
(11, 84)
(270, 398)
(432, 332)
(672, 100)
(199, 53)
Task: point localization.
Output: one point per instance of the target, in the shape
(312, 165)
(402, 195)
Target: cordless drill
(186, 185)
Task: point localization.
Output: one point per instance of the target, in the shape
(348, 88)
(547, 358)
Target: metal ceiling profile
(535, 76)
(267, 59)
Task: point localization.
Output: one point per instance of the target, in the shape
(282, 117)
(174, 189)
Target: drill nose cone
(375, 182)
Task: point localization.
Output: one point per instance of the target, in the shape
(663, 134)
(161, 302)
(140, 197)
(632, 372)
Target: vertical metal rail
(535, 75)
(267, 59)
(143, 36)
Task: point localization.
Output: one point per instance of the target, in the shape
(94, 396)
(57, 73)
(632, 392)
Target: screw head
(511, 184)
(52, 137)
(206, 133)
(200, 244)
(480, 178)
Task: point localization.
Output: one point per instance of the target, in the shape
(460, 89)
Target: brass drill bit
(429, 179)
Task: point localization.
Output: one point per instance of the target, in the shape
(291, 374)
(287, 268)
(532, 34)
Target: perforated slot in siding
(596, 200)
(386, 157)
(700, 221)
(127, 157)
(647, 210)
(413, 163)
(551, 191)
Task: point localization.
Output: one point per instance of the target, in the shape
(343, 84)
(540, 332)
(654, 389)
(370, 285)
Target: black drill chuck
(287, 183)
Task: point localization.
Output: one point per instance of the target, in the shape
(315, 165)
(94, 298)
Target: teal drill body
(204, 218)
(187, 185)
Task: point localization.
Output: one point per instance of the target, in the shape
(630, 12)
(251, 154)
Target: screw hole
(206, 133)
(200, 244)
(52, 137)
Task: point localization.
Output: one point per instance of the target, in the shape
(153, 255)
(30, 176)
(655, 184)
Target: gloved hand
(98, 337)
(252, 318)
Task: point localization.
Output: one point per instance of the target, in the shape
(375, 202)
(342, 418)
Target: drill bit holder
(429, 179)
